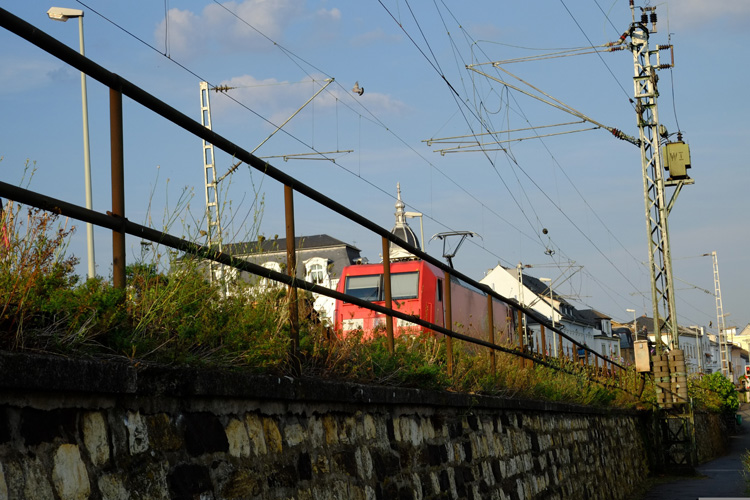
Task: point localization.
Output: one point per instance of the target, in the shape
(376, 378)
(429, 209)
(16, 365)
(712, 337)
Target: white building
(586, 327)
(320, 259)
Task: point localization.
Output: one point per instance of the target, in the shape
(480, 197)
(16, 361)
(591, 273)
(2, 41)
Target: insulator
(652, 18)
(664, 66)
(615, 49)
(644, 18)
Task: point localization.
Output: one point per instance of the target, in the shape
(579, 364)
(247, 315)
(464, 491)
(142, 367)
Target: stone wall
(712, 435)
(76, 430)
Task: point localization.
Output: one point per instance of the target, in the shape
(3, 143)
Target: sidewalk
(719, 478)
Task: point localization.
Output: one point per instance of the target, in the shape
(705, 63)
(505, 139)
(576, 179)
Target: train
(417, 289)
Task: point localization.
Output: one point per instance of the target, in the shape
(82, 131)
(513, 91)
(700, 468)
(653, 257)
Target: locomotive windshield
(370, 287)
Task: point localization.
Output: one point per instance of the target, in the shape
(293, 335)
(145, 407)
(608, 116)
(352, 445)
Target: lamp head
(63, 13)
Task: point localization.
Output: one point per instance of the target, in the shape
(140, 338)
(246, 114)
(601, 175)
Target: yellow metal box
(642, 356)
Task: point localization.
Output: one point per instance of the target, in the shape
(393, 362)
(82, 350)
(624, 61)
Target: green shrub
(715, 392)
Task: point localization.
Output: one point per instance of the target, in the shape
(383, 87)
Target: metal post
(87, 159)
(491, 336)
(291, 270)
(448, 321)
(656, 208)
(387, 293)
(118, 186)
(63, 14)
(520, 335)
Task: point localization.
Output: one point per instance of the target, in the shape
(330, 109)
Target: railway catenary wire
(515, 162)
(372, 118)
(122, 224)
(294, 58)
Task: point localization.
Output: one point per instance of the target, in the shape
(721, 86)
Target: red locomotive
(416, 289)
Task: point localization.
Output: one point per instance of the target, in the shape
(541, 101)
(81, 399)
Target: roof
(266, 246)
(646, 323)
(401, 230)
(337, 253)
(592, 314)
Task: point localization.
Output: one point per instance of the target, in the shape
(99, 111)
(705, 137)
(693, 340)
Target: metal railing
(116, 221)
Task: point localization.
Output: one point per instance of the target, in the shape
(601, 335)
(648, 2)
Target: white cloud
(277, 100)
(234, 26)
(28, 74)
(689, 13)
(333, 14)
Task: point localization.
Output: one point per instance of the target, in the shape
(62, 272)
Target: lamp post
(63, 14)
(421, 228)
(635, 326)
(551, 310)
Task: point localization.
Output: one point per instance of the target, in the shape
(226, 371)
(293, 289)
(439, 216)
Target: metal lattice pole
(723, 346)
(660, 261)
(213, 219)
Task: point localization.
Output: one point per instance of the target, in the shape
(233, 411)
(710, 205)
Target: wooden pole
(387, 293)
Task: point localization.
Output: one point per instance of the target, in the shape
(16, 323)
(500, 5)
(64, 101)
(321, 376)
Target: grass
(175, 316)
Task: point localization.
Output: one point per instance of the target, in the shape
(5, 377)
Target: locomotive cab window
(364, 287)
(405, 285)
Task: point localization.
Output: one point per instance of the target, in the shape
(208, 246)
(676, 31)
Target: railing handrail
(56, 48)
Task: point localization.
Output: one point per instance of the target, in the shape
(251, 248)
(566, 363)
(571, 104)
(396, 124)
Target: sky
(568, 206)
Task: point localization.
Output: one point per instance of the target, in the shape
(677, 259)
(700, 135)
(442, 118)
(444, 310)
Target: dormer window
(316, 271)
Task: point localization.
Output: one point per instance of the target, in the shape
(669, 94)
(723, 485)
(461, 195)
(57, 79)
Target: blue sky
(585, 188)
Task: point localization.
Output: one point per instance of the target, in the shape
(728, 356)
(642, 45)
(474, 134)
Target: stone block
(321, 465)
(242, 484)
(163, 434)
(315, 433)
(272, 435)
(69, 474)
(239, 441)
(364, 462)
(36, 486)
(137, 433)
(330, 426)
(348, 430)
(96, 438)
(112, 488)
(294, 434)
(255, 432)
(370, 431)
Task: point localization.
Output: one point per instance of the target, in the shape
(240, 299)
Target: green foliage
(715, 392)
(177, 316)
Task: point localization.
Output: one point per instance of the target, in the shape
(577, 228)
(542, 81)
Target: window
(316, 271)
(364, 287)
(370, 287)
(265, 283)
(405, 285)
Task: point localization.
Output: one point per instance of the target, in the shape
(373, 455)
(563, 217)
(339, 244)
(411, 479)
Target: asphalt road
(721, 478)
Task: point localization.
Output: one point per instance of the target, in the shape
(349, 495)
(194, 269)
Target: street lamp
(421, 228)
(63, 14)
(551, 310)
(635, 327)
